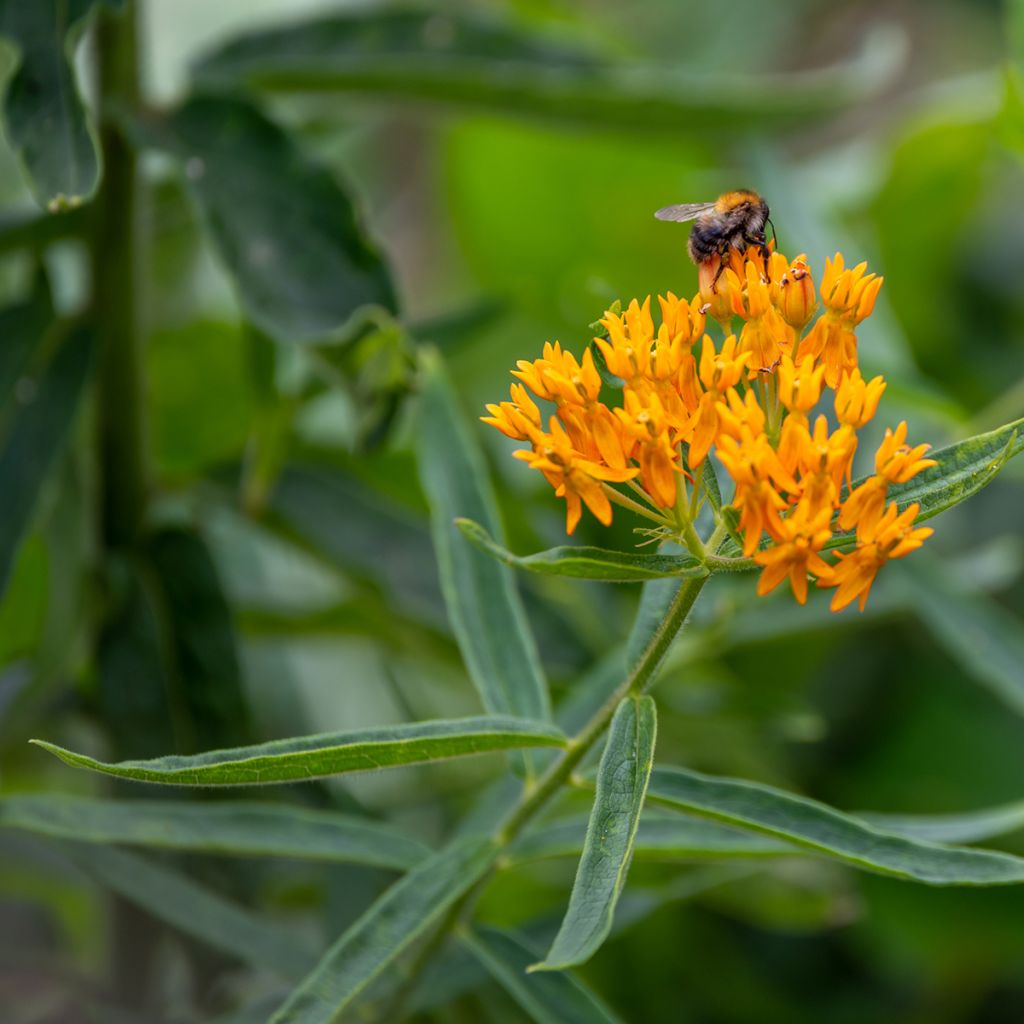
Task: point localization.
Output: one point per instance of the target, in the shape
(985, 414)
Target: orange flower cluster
(750, 400)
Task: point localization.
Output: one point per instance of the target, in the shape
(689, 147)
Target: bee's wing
(683, 211)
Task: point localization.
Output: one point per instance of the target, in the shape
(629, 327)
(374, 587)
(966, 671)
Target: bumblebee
(734, 220)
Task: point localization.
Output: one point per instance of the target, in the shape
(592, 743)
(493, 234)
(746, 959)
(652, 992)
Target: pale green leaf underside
(312, 757)
(621, 784)
(587, 563)
(385, 931)
(966, 827)
(247, 828)
(822, 829)
(660, 837)
(547, 997)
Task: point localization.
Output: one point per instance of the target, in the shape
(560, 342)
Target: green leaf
(45, 118)
(967, 827)
(586, 562)
(658, 838)
(193, 909)
(483, 604)
(312, 757)
(231, 827)
(656, 598)
(978, 632)
(479, 62)
(559, 998)
(37, 422)
(395, 921)
(621, 785)
(820, 828)
(286, 231)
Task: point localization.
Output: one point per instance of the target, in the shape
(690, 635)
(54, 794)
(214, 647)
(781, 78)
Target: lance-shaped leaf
(474, 61)
(396, 920)
(548, 998)
(659, 838)
(45, 118)
(586, 563)
(621, 784)
(483, 604)
(286, 231)
(248, 829)
(823, 829)
(44, 399)
(966, 827)
(313, 757)
(193, 909)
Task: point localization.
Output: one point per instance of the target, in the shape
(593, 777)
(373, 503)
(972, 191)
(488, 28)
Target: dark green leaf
(286, 232)
(585, 562)
(311, 757)
(45, 118)
(547, 998)
(396, 920)
(483, 605)
(479, 62)
(820, 828)
(658, 838)
(36, 424)
(621, 785)
(192, 908)
(246, 829)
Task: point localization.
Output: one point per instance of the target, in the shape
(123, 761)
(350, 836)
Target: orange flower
(627, 351)
(802, 534)
(719, 371)
(792, 290)
(574, 478)
(518, 419)
(800, 383)
(896, 461)
(683, 320)
(857, 400)
(765, 334)
(888, 535)
(651, 442)
(849, 297)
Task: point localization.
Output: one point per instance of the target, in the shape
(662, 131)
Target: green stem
(559, 773)
(618, 498)
(115, 258)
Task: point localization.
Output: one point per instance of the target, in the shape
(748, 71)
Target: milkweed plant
(728, 431)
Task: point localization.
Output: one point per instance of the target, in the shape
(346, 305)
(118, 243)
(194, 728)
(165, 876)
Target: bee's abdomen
(705, 241)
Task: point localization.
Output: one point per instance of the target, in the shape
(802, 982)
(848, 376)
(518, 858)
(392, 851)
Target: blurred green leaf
(483, 604)
(657, 838)
(967, 827)
(586, 562)
(34, 231)
(973, 628)
(192, 908)
(820, 828)
(45, 118)
(311, 757)
(232, 827)
(45, 376)
(396, 920)
(621, 785)
(478, 62)
(286, 231)
(169, 675)
(546, 998)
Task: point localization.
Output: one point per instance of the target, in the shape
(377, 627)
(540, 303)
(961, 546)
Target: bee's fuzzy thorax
(730, 200)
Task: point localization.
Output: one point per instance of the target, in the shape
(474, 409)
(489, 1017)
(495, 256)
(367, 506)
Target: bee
(734, 220)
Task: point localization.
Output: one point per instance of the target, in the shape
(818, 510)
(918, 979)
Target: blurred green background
(509, 181)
